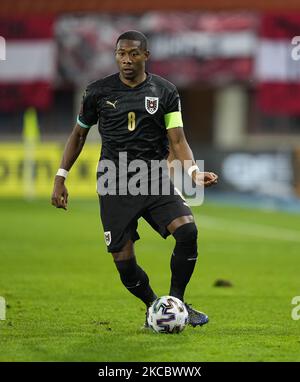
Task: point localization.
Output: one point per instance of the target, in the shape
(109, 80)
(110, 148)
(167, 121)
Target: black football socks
(135, 280)
(183, 259)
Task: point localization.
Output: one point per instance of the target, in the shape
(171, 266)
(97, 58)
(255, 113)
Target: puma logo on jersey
(113, 104)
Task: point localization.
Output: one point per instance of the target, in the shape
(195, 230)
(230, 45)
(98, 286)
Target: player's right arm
(72, 150)
(88, 116)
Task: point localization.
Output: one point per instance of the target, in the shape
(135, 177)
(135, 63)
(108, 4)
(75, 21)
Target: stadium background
(238, 113)
(239, 83)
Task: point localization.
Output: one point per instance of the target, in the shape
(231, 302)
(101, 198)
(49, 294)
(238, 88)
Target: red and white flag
(29, 69)
(277, 70)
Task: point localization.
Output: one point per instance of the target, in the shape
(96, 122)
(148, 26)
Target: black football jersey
(132, 120)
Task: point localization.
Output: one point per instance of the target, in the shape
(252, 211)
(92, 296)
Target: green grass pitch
(65, 301)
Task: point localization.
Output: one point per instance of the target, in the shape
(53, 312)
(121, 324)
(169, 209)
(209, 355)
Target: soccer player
(138, 113)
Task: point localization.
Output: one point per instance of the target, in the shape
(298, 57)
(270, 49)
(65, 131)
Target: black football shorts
(120, 214)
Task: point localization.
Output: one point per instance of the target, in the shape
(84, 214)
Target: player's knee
(130, 273)
(121, 256)
(186, 233)
(186, 239)
(125, 253)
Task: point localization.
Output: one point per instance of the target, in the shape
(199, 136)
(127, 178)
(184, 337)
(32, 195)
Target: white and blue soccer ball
(167, 314)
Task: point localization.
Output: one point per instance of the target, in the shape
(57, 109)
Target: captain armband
(173, 119)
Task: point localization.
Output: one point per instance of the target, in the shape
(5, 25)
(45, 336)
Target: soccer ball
(167, 314)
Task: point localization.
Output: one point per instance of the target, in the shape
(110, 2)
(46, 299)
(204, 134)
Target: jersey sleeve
(173, 116)
(88, 115)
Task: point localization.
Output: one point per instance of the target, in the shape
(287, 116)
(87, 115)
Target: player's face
(131, 58)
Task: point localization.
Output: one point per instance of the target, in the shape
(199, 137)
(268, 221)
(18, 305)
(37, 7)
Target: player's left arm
(181, 150)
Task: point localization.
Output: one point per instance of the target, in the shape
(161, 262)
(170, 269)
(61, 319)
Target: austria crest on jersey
(151, 104)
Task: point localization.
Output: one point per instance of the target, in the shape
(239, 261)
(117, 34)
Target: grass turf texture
(66, 302)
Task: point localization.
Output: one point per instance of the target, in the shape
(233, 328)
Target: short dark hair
(135, 36)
